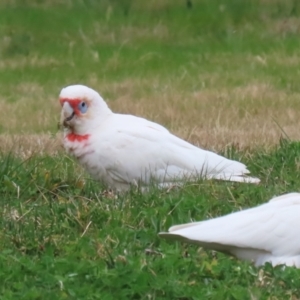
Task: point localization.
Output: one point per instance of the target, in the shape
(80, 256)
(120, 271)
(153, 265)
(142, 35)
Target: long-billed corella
(123, 150)
(266, 233)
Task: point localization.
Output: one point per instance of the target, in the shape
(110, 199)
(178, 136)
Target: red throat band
(72, 137)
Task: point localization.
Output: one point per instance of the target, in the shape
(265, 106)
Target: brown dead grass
(27, 145)
(32, 61)
(212, 116)
(245, 116)
(125, 34)
(29, 109)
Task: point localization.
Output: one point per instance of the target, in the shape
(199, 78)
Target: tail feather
(235, 178)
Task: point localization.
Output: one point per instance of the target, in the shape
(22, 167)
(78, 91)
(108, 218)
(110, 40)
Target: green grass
(217, 74)
(84, 38)
(61, 238)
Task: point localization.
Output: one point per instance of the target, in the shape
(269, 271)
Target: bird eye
(82, 106)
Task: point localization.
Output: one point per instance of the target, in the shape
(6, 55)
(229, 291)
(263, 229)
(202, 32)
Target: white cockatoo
(266, 233)
(121, 150)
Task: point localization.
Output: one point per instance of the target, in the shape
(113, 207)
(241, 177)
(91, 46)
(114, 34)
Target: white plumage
(266, 233)
(121, 150)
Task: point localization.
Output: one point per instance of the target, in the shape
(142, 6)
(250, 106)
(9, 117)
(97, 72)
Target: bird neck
(73, 137)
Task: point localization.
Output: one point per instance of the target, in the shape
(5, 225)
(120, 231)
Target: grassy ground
(221, 74)
(213, 73)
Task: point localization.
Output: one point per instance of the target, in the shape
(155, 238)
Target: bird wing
(133, 148)
(268, 230)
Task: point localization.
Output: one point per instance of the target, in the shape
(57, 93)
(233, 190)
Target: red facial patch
(72, 137)
(73, 103)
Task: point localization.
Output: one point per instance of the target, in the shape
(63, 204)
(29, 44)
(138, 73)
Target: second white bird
(266, 233)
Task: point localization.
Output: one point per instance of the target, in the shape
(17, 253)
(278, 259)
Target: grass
(63, 237)
(210, 73)
(222, 74)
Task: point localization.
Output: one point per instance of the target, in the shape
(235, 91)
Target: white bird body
(266, 233)
(121, 150)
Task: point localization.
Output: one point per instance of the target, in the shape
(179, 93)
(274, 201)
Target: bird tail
(236, 178)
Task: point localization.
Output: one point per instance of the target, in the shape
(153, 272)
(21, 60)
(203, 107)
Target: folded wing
(143, 150)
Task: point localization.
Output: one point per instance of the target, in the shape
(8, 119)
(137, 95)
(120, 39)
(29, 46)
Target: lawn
(221, 74)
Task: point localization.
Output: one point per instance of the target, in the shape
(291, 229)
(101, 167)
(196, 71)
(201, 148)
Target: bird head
(82, 108)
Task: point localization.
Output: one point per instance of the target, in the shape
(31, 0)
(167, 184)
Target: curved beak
(67, 114)
(66, 120)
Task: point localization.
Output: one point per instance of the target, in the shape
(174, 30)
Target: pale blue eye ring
(82, 106)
